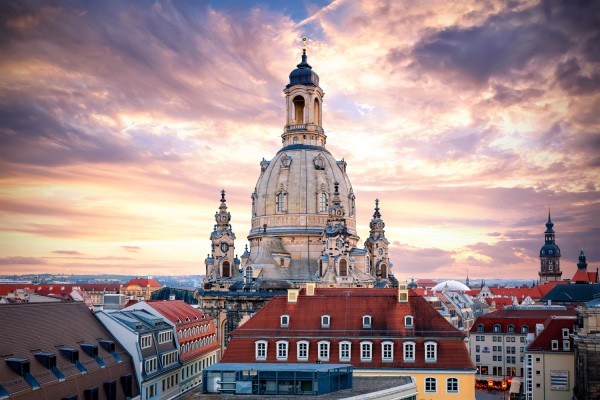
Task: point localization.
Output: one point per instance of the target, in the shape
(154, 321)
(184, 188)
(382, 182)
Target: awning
(515, 385)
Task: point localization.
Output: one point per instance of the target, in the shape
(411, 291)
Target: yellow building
(140, 288)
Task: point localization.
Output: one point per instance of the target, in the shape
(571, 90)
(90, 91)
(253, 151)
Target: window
(169, 358)
(322, 202)
(408, 321)
(477, 349)
(387, 351)
(555, 345)
(565, 333)
(150, 365)
(510, 329)
(285, 320)
(261, 350)
(524, 329)
(323, 354)
(325, 320)
(280, 201)
(477, 358)
(480, 328)
(366, 321)
(282, 350)
(343, 267)
(345, 351)
(366, 351)
(164, 337)
(302, 350)
(226, 269)
(430, 351)
(566, 345)
(452, 385)
(409, 351)
(145, 341)
(430, 385)
(496, 328)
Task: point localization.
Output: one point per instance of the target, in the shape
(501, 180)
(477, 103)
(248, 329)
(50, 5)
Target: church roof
(450, 285)
(303, 74)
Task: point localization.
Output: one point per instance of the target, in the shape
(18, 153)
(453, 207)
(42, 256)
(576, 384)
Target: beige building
(587, 352)
(550, 364)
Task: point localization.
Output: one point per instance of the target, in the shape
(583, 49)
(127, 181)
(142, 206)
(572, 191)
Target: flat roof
(273, 366)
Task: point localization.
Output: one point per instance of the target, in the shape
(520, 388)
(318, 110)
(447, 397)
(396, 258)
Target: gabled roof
(553, 327)
(517, 318)
(178, 310)
(426, 283)
(144, 282)
(45, 328)
(583, 276)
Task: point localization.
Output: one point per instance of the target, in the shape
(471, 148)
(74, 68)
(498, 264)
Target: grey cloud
(68, 252)
(570, 77)
(17, 260)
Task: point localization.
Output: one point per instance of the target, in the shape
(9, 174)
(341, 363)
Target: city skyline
(122, 122)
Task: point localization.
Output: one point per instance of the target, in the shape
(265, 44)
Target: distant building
(549, 255)
(377, 331)
(150, 341)
(140, 288)
(582, 275)
(498, 339)
(587, 351)
(60, 351)
(550, 365)
(195, 334)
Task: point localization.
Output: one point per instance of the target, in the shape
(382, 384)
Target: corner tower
(221, 263)
(549, 255)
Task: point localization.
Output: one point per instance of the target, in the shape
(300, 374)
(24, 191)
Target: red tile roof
(553, 331)
(144, 282)
(426, 283)
(47, 288)
(175, 310)
(346, 307)
(517, 318)
(585, 276)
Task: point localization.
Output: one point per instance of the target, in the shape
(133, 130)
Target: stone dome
(301, 177)
(451, 286)
(303, 74)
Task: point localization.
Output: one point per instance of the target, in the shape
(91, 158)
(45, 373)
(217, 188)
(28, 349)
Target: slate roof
(28, 329)
(346, 307)
(553, 327)
(517, 318)
(573, 293)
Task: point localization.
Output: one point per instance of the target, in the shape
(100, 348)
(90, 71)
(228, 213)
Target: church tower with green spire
(550, 255)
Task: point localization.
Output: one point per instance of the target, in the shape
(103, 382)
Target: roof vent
(73, 356)
(48, 360)
(92, 351)
(21, 367)
(109, 346)
(3, 393)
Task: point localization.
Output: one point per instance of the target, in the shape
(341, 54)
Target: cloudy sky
(120, 122)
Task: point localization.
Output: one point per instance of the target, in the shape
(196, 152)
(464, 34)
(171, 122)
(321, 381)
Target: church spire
(549, 255)
(582, 264)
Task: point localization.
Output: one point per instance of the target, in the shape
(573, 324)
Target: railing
(303, 127)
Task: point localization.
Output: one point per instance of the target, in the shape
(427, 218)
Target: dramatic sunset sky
(121, 121)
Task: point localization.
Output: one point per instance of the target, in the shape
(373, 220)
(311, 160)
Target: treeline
(180, 294)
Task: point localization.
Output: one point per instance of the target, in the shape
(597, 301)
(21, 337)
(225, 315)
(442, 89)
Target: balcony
(302, 128)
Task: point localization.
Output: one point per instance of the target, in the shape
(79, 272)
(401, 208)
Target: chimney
(310, 289)
(293, 295)
(402, 292)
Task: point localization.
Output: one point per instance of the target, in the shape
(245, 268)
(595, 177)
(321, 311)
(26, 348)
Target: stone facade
(587, 352)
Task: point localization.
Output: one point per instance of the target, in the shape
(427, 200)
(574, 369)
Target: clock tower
(377, 263)
(222, 263)
(549, 256)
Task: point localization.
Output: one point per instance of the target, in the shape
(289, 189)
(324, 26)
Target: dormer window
(510, 329)
(366, 321)
(555, 345)
(480, 328)
(566, 345)
(497, 328)
(565, 333)
(430, 351)
(408, 321)
(285, 321)
(524, 329)
(325, 321)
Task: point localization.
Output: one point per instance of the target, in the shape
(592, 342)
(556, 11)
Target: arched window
(295, 140)
(325, 321)
(510, 329)
(261, 350)
(524, 329)
(285, 321)
(298, 110)
(302, 349)
(345, 351)
(383, 271)
(226, 269)
(322, 202)
(452, 385)
(248, 274)
(480, 328)
(323, 350)
(343, 267)
(387, 351)
(254, 197)
(409, 351)
(496, 328)
(430, 385)
(367, 265)
(366, 321)
(408, 321)
(430, 351)
(366, 351)
(282, 350)
(317, 112)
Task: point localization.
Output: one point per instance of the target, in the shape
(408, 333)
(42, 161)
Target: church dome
(303, 74)
(451, 286)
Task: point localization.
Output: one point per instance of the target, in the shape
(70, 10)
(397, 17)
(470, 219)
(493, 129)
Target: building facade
(586, 341)
(195, 335)
(549, 364)
(151, 343)
(498, 340)
(380, 332)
